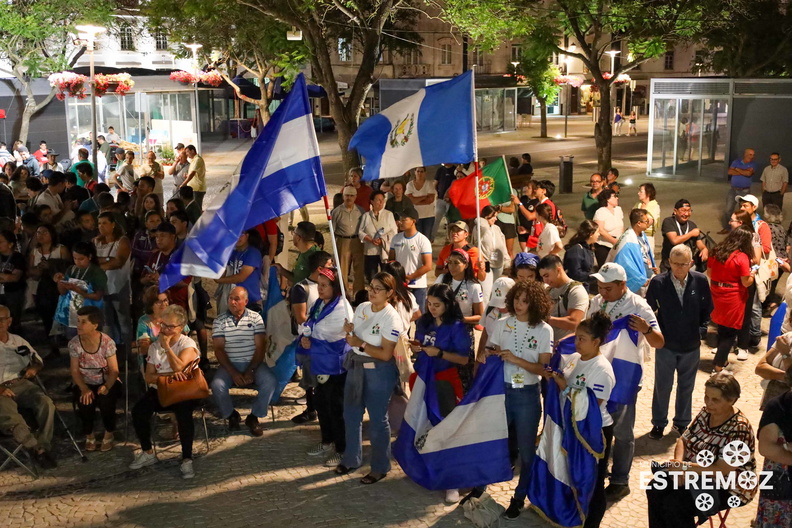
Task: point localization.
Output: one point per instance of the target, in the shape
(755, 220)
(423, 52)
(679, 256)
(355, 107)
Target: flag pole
(335, 248)
(476, 163)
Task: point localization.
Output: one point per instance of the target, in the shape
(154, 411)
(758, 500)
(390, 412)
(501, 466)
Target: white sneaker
(333, 461)
(186, 468)
(321, 449)
(742, 354)
(452, 496)
(143, 459)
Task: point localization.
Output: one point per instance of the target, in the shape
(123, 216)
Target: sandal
(90, 444)
(372, 478)
(341, 469)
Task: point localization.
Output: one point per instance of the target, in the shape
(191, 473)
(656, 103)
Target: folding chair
(63, 423)
(173, 443)
(13, 453)
(722, 516)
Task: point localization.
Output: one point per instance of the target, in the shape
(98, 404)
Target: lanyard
(617, 303)
(679, 227)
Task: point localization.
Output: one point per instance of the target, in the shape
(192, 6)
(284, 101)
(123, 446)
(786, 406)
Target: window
(160, 41)
(669, 60)
(445, 54)
(127, 38)
(478, 57)
(516, 51)
(699, 59)
(412, 57)
(344, 50)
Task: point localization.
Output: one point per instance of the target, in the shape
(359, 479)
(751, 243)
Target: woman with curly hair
(524, 341)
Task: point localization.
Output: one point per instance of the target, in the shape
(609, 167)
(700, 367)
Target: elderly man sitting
(18, 364)
(239, 344)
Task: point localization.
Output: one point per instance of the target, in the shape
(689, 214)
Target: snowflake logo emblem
(705, 502)
(705, 458)
(736, 453)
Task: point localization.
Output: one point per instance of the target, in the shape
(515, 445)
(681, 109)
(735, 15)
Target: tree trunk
(603, 133)
(263, 108)
(542, 116)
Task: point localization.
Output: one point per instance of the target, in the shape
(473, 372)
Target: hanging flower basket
(574, 81)
(120, 83)
(212, 78)
(183, 77)
(69, 83)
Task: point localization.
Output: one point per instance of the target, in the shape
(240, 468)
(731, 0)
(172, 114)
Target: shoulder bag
(194, 387)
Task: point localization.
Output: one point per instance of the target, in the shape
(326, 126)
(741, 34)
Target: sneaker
(742, 354)
(143, 459)
(616, 492)
(186, 468)
(334, 460)
(514, 509)
(304, 417)
(234, 421)
(656, 433)
(452, 496)
(678, 429)
(321, 449)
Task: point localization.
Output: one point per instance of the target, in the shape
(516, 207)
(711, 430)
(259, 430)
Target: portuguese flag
(494, 188)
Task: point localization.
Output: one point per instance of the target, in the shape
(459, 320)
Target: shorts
(509, 230)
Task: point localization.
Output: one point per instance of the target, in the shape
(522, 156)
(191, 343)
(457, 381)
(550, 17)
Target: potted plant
(183, 77)
(120, 83)
(212, 78)
(68, 83)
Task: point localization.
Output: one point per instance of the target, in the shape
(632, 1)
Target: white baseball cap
(747, 198)
(610, 272)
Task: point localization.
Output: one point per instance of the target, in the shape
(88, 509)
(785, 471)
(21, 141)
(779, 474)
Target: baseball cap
(747, 198)
(459, 225)
(22, 148)
(350, 191)
(499, 291)
(682, 202)
(166, 227)
(526, 259)
(409, 212)
(120, 150)
(610, 272)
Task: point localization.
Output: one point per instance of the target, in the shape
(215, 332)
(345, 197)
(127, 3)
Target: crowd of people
(86, 254)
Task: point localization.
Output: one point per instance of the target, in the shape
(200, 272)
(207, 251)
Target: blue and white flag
(622, 349)
(435, 125)
(281, 348)
(467, 448)
(633, 254)
(564, 470)
(280, 173)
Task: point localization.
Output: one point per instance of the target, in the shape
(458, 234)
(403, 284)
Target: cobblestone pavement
(270, 481)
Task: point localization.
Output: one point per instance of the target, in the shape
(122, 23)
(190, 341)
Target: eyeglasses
(775, 159)
(595, 181)
(376, 289)
(161, 301)
(166, 326)
(734, 221)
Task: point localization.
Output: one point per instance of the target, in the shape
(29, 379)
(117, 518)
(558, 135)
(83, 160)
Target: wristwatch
(362, 347)
(439, 354)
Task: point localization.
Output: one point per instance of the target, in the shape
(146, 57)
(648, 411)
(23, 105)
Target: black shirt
(779, 411)
(670, 225)
(525, 168)
(444, 178)
(9, 263)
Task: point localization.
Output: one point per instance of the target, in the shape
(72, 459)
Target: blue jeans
(420, 298)
(685, 364)
(731, 205)
(425, 226)
(265, 384)
(378, 385)
(523, 411)
(623, 443)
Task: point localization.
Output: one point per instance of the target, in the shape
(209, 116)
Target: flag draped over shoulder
(280, 340)
(628, 253)
(494, 189)
(467, 448)
(564, 470)
(435, 125)
(280, 173)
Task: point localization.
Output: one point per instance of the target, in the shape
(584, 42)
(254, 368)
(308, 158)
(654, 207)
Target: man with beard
(680, 229)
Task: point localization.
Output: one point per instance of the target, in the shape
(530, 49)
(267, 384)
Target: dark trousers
(15, 301)
(775, 198)
(601, 254)
(676, 508)
(372, 264)
(597, 504)
(726, 338)
(149, 404)
(329, 402)
(106, 404)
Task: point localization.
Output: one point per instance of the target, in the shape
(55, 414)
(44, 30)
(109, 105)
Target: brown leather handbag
(172, 391)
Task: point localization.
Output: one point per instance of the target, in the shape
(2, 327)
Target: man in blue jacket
(682, 301)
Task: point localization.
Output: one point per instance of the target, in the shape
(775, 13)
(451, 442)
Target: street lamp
(197, 115)
(612, 54)
(88, 34)
(514, 65)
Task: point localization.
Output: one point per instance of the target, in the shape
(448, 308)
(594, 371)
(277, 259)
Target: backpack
(565, 296)
(265, 241)
(559, 222)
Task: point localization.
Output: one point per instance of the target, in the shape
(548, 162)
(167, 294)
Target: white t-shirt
(493, 314)
(577, 299)
(425, 210)
(613, 223)
(467, 294)
(371, 326)
(547, 239)
(596, 374)
(158, 357)
(525, 342)
(405, 313)
(630, 303)
(409, 253)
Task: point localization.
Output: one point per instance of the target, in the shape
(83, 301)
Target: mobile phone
(490, 348)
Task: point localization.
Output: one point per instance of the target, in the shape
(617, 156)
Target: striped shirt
(240, 343)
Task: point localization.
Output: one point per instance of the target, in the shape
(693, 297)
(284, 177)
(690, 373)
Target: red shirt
(40, 156)
(363, 198)
(446, 251)
(728, 294)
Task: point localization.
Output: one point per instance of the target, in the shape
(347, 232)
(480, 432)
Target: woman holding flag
(323, 343)
(442, 338)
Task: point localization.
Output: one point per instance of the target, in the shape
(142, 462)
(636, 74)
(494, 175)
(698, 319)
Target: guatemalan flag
(280, 173)
(435, 125)
(622, 349)
(467, 448)
(564, 470)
